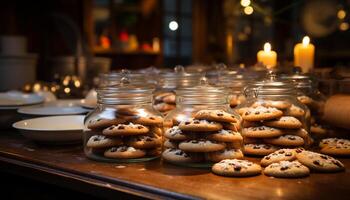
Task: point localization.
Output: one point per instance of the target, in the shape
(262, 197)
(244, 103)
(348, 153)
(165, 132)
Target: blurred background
(87, 37)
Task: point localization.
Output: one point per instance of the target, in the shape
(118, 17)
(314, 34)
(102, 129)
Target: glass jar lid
(124, 92)
(114, 78)
(271, 85)
(202, 93)
(179, 78)
(301, 80)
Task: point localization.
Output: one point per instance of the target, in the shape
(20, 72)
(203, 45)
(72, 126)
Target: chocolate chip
(324, 157)
(256, 147)
(267, 157)
(317, 162)
(113, 149)
(257, 112)
(281, 152)
(267, 147)
(288, 154)
(179, 153)
(220, 114)
(261, 128)
(267, 111)
(237, 168)
(284, 168)
(98, 120)
(299, 150)
(247, 113)
(196, 122)
(121, 127)
(187, 123)
(123, 149)
(149, 139)
(337, 163)
(139, 127)
(291, 138)
(152, 118)
(111, 128)
(96, 139)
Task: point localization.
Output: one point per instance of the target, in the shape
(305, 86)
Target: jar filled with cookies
(273, 118)
(164, 97)
(124, 127)
(309, 95)
(203, 129)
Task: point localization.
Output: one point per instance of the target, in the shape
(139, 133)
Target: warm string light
(245, 3)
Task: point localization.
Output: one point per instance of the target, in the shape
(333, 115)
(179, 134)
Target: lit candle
(267, 57)
(304, 54)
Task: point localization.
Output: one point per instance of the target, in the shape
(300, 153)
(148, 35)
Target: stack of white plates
(11, 101)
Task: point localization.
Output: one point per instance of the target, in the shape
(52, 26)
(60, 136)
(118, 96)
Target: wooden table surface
(67, 166)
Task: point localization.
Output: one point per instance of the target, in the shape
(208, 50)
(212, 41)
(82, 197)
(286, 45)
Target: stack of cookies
(127, 136)
(271, 125)
(164, 102)
(208, 136)
(316, 107)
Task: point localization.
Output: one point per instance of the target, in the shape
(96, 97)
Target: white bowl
(53, 130)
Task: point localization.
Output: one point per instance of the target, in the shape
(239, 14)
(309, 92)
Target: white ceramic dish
(48, 110)
(13, 100)
(53, 130)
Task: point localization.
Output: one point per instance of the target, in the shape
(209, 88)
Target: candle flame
(306, 40)
(267, 47)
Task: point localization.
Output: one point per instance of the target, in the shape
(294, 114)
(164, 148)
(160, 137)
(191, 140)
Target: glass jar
(235, 84)
(273, 118)
(124, 127)
(309, 95)
(164, 97)
(203, 129)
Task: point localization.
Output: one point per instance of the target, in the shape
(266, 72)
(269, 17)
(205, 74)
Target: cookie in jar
(124, 127)
(309, 95)
(203, 129)
(164, 97)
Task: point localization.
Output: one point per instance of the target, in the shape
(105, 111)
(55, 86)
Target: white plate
(13, 100)
(53, 130)
(47, 110)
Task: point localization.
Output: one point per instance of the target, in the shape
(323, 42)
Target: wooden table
(67, 167)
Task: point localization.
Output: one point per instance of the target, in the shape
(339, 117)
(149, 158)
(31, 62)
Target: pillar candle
(267, 57)
(304, 54)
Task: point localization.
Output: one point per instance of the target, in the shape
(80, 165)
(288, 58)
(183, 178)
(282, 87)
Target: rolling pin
(337, 111)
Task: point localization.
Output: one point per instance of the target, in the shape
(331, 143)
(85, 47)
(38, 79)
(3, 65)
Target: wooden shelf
(100, 51)
(67, 166)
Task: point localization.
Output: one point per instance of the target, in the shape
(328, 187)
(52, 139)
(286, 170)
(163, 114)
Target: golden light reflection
(67, 90)
(248, 10)
(341, 14)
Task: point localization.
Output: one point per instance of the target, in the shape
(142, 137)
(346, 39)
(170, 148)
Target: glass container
(203, 129)
(273, 118)
(124, 127)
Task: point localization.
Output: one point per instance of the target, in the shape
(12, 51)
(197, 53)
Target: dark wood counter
(67, 167)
